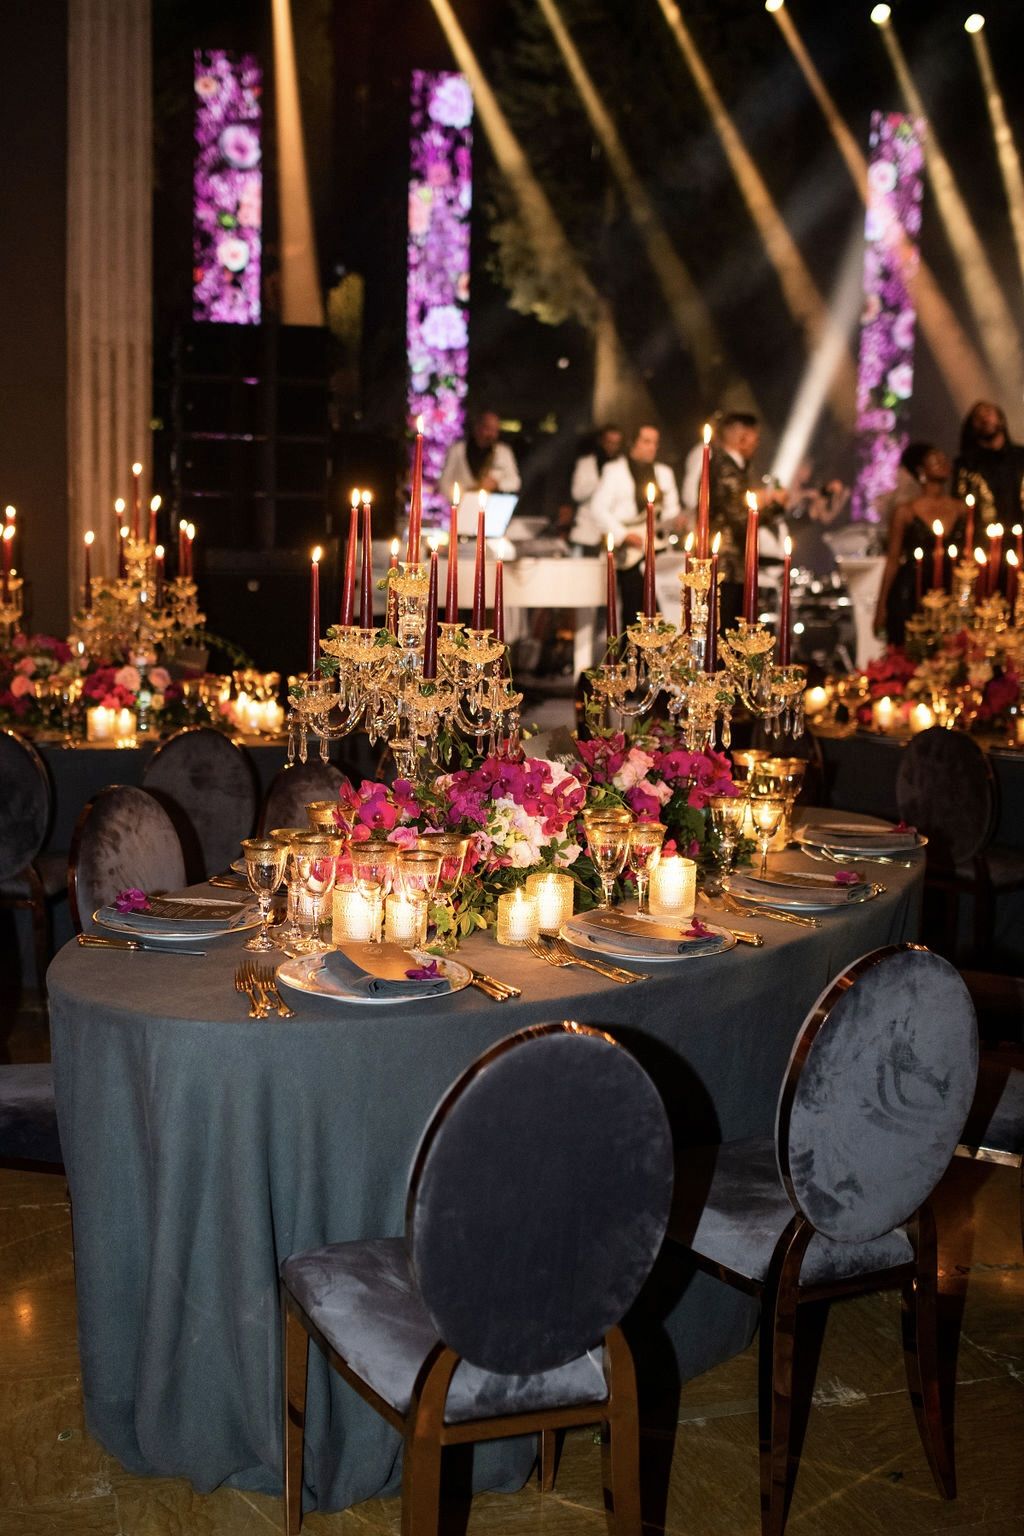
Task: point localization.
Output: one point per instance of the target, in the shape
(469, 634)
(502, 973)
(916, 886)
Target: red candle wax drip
(366, 588)
(348, 585)
(479, 606)
(430, 635)
(451, 612)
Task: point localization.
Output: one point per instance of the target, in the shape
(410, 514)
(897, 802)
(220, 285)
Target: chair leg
(921, 1355)
(777, 1349)
(41, 940)
(984, 915)
(296, 1360)
(421, 1481)
(620, 1438)
(548, 1459)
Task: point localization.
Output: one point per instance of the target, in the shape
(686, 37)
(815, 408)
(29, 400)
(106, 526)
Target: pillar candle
(366, 584)
(87, 590)
(750, 564)
(995, 556)
(136, 498)
(611, 592)
(918, 575)
(314, 609)
(784, 630)
(348, 584)
(430, 635)
(412, 553)
(1012, 578)
(704, 497)
(154, 507)
(711, 651)
(969, 535)
(158, 595)
(937, 567)
(499, 601)
(650, 599)
(479, 609)
(451, 611)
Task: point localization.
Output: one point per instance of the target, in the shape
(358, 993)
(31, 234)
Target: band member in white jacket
(618, 507)
(480, 462)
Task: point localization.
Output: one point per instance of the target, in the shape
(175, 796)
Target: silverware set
(497, 991)
(826, 856)
(722, 900)
(100, 941)
(259, 984)
(558, 953)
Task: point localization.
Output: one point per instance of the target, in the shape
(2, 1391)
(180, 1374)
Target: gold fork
(257, 1008)
(562, 958)
(267, 981)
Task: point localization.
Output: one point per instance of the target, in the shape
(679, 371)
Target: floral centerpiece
(29, 666)
(963, 676)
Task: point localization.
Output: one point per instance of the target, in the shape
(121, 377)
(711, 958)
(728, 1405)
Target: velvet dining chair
(875, 1097)
(30, 880)
(946, 788)
(295, 786)
(28, 1117)
(537, 1204)
(124, 838)
(994, 1132)
(207, 785)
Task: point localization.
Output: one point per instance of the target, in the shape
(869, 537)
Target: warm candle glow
(918, 553)
(1011, 558)
(317, 552)
(937, 529)
(787, 545)
(159, 549)
(367, 498)
(10, 514)
(1017, 530)
(952, 551)
(707, 432)
(652, 490)
(687, 542)
(183, 524)
(456, 494)
(751, 500)
(394, 549)
(969, 500)
(483, 501)
(354, 498)
(432, 544)
(136, 469)
(123, 530)
(155, 503)
(716, 544)
(994, 531)
(981, 557)
(90, 536)
(190, 531)
(119, 505)
(419, 425)
(609, 542)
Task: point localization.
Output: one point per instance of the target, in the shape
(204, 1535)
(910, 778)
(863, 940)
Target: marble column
(109, 268)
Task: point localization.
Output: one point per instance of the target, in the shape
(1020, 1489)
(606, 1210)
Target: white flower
(233, 254)
(882, 176)
(452, 103)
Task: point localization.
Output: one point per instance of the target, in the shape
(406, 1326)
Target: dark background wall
(33, 384)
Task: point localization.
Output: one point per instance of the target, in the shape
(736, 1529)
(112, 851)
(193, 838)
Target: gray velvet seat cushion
(125, 840)
(295, 787)
(53, 872)
(363, 1298)
(28, 1114)
(746, 1210)
(997, 1114)
(207, 785)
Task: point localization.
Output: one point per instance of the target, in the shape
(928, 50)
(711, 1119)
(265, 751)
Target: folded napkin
(380, 970)
(182, 914)
(824, 889)
(849, 834)
(627, 935)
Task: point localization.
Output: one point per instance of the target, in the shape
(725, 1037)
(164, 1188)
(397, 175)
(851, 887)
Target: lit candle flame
(716, 544)
(994, 531)
(367, 498)
(1011, 557)
(688, 542)
(9, 532)
(190, 532)
(432, 544)
(969, 499)
(787, 545)
(981, 557)
(707, 432)
(317, 552)
(652, 490)
(10, 514)
(119, 505)
(483, 501)
(456, 494)
(952, 551)
(609, 542)
(1017, 530)
(751, 499)
(124, 531)
(919, 553)
(136, 469)
(183, 524)
(937, 529)
(394, 548)
(89, 538)
(354, 498)
(419, 426)
(159, 551)
(156, 502)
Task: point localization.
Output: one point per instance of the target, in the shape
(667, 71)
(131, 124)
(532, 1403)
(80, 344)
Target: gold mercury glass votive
(553, 894)
(673, 887)
(357, 913)
(518, 919)
(405, 921)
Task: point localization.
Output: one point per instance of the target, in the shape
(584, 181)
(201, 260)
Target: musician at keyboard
(619, 507)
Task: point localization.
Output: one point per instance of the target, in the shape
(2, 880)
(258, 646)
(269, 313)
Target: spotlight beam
(614, 375)
(965, 375)
(690, 315)
(301, 303)
(999, 337)
(802, 296)
(1006, 149)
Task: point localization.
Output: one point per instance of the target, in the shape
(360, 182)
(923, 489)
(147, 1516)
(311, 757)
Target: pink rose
(159, 678)
(128, 677)
(22, 686)
(26, 666)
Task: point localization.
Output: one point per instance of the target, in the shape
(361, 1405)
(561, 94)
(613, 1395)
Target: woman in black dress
(912, 528)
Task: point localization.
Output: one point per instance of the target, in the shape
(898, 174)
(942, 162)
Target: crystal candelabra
(12, 598)
(390, 683)
(657, 657)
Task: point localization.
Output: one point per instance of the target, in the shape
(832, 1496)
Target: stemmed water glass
(767, 812)
(316, 866)
(418, 872)
(608, 844)
(452, 850)
(285, 836)
(645, 840)
(264, 869)
(728, 813)
(787, 775)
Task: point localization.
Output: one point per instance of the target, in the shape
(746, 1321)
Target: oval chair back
(293, 788)
(539, 1198)
(26, 804)
(207, 785)
(945, 788)
(878, 1088)
(122, 839)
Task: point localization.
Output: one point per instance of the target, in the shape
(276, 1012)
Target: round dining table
(203, 1147)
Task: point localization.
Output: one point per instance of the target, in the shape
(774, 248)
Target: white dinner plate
(179, 934)
(307, 974)
(644, 956)
(845, 841)
(791, 903)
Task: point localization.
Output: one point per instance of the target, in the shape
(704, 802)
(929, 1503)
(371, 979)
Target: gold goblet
(264, 869)
(728, 813)
(316, 865)
(645, 840)
(767, 812)
(453, 851)
(608, 844)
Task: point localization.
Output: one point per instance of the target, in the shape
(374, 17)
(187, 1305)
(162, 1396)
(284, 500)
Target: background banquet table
(202, 1148)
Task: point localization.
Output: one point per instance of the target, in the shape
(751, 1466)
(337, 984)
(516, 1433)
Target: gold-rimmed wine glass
(264, 869)
(418, 872)
(645, 840)
(316, 865)
(453, 850)
(285, 835)
(728, 813)
(767, 812)
(374, 864)
(788, 776)
(608, 845)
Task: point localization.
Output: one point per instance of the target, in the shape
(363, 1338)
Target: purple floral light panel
(227, 188)
(437, 296)
(885, 378)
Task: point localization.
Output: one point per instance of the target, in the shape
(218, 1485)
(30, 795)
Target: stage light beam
(802, 296)
(1006, 148)
(301, 303)
(880, 15)
(999, 336)
(965, 375)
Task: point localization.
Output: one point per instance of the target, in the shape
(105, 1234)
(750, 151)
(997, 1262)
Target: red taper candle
(451, 611)
(498, 626)
(650, 597)
(366, 587)
(995, 556)
(154, 508)
(158, 561)
(430, 635)
(687, 594)
(711, 649)
(969, 535)
(937, 556)
(314, 609)
(982, 564)
(704, 497)
(918, 575)
(751, 562)
(479, 575)
(87, 586)
(348, 584)
(612, 592)
(784, 628)
(1012, 577)
(182, 557)
(136, 498)
(412, 553)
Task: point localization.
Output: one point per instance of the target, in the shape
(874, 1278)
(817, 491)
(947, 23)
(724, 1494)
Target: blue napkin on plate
(378, 970)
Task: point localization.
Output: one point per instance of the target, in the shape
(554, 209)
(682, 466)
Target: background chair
(875, 1098)
(207, 785)
(28, 1117)
(123, 838)
(487, 1319)
(945, 787)
(29, 880)
(293, 788)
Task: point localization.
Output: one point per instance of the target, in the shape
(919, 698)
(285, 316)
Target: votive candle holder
(357, 914)
(553, 894)
(518, 919)
(673, 887)
(405, 921)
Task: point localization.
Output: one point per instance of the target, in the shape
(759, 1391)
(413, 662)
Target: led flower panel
(885, 379)
(437, 296)
(227, 188)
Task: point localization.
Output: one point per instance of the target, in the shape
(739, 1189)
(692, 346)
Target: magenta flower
(132, 900)
(847, 877)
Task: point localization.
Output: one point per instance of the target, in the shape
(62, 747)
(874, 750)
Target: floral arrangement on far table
(960, 675)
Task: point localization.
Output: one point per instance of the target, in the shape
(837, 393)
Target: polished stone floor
(862, 1470)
